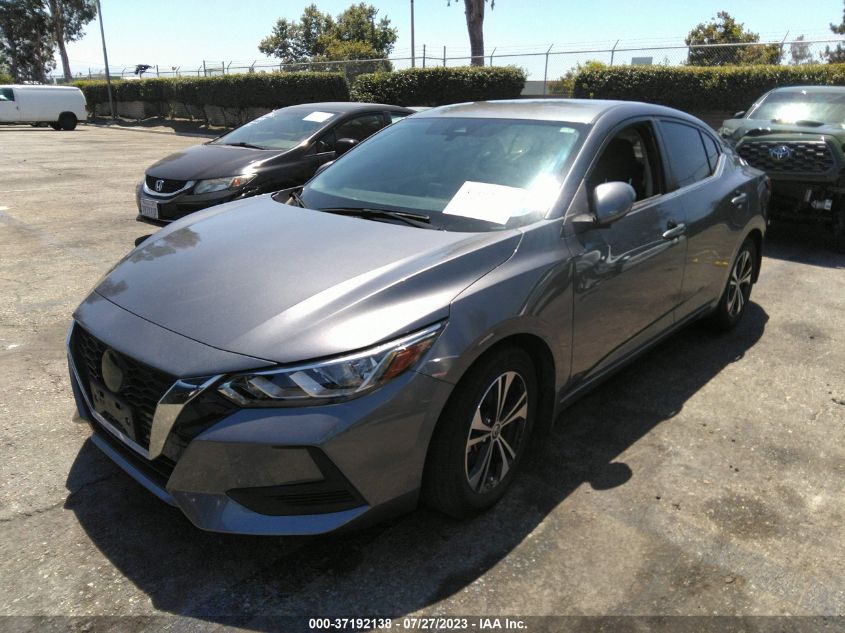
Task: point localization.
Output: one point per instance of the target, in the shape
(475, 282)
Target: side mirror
(343, 145)
(739, 115)
(142, 239)
(323, 168)
(612, 201)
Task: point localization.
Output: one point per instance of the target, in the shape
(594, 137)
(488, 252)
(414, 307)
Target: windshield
(282, 129)
(464, 174)
(790, 107)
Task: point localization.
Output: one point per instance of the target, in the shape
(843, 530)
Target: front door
(9, 112)
(628, 275)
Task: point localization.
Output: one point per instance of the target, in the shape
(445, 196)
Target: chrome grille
(806, 157)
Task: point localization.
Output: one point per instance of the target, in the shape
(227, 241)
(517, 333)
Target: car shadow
(804, 244)
(162, 125)
(26, 127)
(409, 563)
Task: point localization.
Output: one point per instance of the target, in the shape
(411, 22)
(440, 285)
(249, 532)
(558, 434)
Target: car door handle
(740, 199)
(674, 230)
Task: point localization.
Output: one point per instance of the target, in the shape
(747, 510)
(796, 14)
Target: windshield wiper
(294, 195)
(242, 144)
(413, 219)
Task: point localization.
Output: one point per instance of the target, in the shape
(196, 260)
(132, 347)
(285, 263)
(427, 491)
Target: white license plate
(149, 208)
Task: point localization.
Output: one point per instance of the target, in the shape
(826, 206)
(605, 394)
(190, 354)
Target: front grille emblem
(159, 184)
(113, 371)
(780, 153)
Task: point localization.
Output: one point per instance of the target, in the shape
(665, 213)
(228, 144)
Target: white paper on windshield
(484, 201)
(318, 117)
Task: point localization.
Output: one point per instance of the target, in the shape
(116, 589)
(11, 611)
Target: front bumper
(172, 207)
(805, 201)
(286, 471)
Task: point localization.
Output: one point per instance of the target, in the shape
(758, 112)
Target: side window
(360, 127)
(712, 151)
(630, 156)
(396, 116)
(325, 143)
(7, 94)
(686, 152)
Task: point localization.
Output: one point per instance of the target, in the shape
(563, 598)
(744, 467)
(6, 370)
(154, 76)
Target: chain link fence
(543, 65)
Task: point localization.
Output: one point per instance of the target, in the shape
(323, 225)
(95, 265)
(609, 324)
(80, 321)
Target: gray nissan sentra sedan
(401, 327)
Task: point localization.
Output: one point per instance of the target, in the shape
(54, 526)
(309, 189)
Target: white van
(60, 106)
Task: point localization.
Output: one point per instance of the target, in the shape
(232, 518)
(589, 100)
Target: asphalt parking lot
(705, 479)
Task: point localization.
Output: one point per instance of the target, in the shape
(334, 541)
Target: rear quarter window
(712, 151)
(7, 94)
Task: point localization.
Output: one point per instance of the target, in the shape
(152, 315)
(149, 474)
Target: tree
(352, 50)
(358, 24)
(800, 52)
(5, 77)
(723, 29)
(67, 20)
(474, 11)
(836, 55)
(564, 86)
(25, 39)
(318, 38)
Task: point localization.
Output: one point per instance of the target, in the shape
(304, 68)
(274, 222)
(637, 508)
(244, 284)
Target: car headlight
(219, 184)
(330, 380)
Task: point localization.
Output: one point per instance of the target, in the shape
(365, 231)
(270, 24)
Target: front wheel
(737, 293)
(482, 435)
(67, 121)
(839, 227)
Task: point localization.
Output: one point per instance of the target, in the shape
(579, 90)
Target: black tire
(56, 126)
(67, 121)
(839, 227)
(732, 306)
(456, 481)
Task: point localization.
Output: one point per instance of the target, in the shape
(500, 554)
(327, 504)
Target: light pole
(106, 60)
(413, 48)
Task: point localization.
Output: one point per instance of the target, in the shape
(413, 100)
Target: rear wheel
(737, 293)
(67, 121)
(56, 126)
(482, 435)
(839, 227)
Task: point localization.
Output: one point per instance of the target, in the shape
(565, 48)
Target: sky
(183, 33)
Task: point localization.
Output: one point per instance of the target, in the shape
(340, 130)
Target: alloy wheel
(739, 284)
(497, 432)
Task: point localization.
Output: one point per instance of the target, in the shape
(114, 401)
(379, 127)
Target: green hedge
(265, 90)
(727, 88)
(439, 85)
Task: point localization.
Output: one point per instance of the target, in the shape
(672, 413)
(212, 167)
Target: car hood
(285, 284)
(200, 162)
(759, 128)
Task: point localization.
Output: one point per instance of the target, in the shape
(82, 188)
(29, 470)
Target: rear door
(710, 193)
(9, 107)
(627, 275)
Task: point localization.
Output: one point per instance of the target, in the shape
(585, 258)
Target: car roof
(344, 107)
(568, 110)
(830, 89)
(38, 87)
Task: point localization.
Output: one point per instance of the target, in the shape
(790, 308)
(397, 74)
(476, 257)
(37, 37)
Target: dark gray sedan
(278, 150)
(401, 328)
